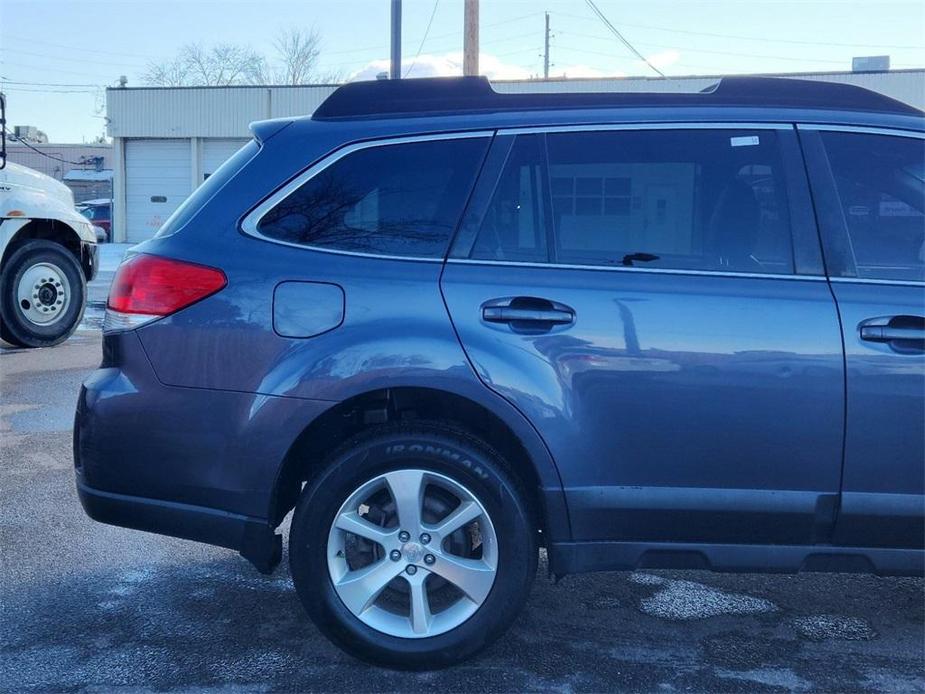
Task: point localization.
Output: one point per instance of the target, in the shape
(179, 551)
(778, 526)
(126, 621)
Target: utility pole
(471, 38)
(546, 51)
(395, 67)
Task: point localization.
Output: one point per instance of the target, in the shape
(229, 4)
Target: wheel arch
(499, 425)
(15, 232)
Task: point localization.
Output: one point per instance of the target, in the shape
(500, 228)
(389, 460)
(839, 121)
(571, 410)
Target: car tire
(55, 297)
(457, 474)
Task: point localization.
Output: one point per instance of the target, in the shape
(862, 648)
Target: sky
(57, 56)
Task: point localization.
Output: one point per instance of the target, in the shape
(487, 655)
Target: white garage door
(215, 152)
(157, 180)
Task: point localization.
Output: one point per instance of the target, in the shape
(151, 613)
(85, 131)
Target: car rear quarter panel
(395, 330)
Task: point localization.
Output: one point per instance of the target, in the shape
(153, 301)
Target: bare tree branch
(221, 65)
(297, 51)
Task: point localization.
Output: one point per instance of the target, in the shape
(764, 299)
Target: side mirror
(2, 130)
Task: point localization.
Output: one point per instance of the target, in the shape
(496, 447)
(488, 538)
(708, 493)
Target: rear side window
(881, 187)
(711, 200)
(515, 225)
(398, 199)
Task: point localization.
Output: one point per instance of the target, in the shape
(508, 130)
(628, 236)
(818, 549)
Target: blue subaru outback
(449, 326)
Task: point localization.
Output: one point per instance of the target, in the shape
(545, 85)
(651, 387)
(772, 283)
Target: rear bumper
(188, 462)
(252, 537)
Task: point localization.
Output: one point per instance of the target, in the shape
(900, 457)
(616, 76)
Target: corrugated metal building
(166, 141)
(85, 169)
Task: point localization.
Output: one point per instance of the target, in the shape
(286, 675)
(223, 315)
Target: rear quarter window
(195, 202)
(401, 199)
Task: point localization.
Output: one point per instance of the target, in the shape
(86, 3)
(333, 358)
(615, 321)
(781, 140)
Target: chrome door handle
(886, 333)
(506, 314)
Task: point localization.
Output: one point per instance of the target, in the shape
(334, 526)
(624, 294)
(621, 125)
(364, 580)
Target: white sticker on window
(747, 141)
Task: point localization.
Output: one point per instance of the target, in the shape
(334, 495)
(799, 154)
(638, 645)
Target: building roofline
(17, 143)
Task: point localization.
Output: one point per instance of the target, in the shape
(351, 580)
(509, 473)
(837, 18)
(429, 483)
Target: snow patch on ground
(686, 600)
(826, 626)
(784, 678)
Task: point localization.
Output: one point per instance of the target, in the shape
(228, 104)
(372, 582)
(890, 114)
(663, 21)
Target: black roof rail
(456, 95)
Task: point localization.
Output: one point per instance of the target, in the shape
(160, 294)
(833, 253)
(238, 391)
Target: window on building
(401, 199)
(881, 186)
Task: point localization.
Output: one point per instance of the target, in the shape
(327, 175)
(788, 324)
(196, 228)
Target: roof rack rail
(454, 95)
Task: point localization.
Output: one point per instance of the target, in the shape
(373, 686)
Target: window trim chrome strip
(894, 132)
(870, 280)
(252, 219)
(643, 270)
(661, 125)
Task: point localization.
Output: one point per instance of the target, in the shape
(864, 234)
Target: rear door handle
(904, 334)
(527, 314)
(506, 314)
(885, 333)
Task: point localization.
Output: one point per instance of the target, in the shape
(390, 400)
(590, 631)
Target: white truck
(48, 252)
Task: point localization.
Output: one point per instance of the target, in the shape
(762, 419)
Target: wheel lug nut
(429, 559)
(425, 538)
(394, 555)
(404, 536)
(411, 569)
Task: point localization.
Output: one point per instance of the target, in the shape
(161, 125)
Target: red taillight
(155, 286)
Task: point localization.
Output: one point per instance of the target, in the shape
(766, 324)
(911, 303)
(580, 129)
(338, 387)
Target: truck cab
(48, 252)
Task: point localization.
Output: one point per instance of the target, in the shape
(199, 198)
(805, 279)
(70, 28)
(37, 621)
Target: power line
(80, 49)
(44, 154)
(45, 67)
(423, 40)
(70, 59)
(620, 36)
(493, 24)
(49, 91)
(804, 59)
(5, 80)
(747, 38)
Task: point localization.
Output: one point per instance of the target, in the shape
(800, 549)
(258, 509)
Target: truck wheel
(42, 295)
(415, 548)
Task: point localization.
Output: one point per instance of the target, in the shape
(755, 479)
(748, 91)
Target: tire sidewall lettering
(401, 450)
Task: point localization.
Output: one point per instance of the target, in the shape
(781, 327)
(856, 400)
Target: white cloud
(493, 67)
(443, 65)
(664, 59)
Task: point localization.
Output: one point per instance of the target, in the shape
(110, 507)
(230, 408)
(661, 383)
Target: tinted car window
(881, 186)
(514, 226)
(195, 202)
(695, 200)
(401, 199)
(681, 199)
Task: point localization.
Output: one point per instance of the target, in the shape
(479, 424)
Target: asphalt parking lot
(87, 606)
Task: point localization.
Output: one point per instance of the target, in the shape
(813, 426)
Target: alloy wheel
(412, 553)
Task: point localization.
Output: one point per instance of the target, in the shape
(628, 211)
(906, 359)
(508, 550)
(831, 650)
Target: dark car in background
(449, 326)
(98, 211)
